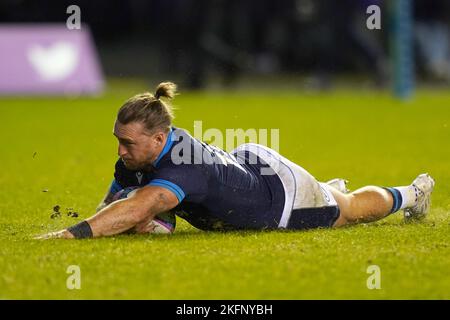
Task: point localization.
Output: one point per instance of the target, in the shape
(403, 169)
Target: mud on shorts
(308, 202)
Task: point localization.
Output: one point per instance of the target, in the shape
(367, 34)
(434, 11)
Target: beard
(131, 165)
(138, 166)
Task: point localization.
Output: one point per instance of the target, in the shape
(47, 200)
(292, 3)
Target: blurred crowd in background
(197, 39)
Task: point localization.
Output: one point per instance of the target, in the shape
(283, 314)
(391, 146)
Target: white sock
(409, 196)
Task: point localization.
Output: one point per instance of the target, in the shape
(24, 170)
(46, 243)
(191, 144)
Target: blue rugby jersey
(216, 190)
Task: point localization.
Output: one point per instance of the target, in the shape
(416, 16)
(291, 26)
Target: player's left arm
(107, 199)
(113, 189)
(122, 215)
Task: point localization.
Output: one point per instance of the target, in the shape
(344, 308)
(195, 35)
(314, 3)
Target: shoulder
(185, 150)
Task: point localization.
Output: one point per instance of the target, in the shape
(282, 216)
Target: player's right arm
(122, 215)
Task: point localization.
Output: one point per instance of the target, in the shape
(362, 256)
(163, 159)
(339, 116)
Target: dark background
(195, 40)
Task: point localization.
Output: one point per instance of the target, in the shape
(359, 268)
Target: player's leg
(363, 205)
(373, 203)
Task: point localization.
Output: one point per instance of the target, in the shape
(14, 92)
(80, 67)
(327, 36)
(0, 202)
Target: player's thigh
(314, 205)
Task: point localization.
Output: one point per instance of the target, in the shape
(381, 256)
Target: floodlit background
(371, 106)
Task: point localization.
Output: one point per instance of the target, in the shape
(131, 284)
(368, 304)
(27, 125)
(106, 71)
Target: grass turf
(66, 147)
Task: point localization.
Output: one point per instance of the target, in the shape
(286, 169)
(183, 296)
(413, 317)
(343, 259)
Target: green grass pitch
(66, 148)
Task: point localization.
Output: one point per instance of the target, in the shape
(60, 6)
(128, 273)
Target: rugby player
(163, 171)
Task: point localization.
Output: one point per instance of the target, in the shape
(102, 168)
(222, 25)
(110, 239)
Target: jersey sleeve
(185, 181)
(115, 187)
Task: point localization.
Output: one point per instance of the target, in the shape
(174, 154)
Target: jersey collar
(167, 146)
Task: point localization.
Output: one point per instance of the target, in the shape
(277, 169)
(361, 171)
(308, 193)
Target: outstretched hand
(62, 234)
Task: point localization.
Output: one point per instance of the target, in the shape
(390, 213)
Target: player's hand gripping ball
(163, 223)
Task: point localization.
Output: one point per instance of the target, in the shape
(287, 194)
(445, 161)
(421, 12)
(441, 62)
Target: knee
(350, 209)
(346, 205)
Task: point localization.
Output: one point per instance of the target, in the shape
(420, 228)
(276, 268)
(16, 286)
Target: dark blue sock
(397, 196)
